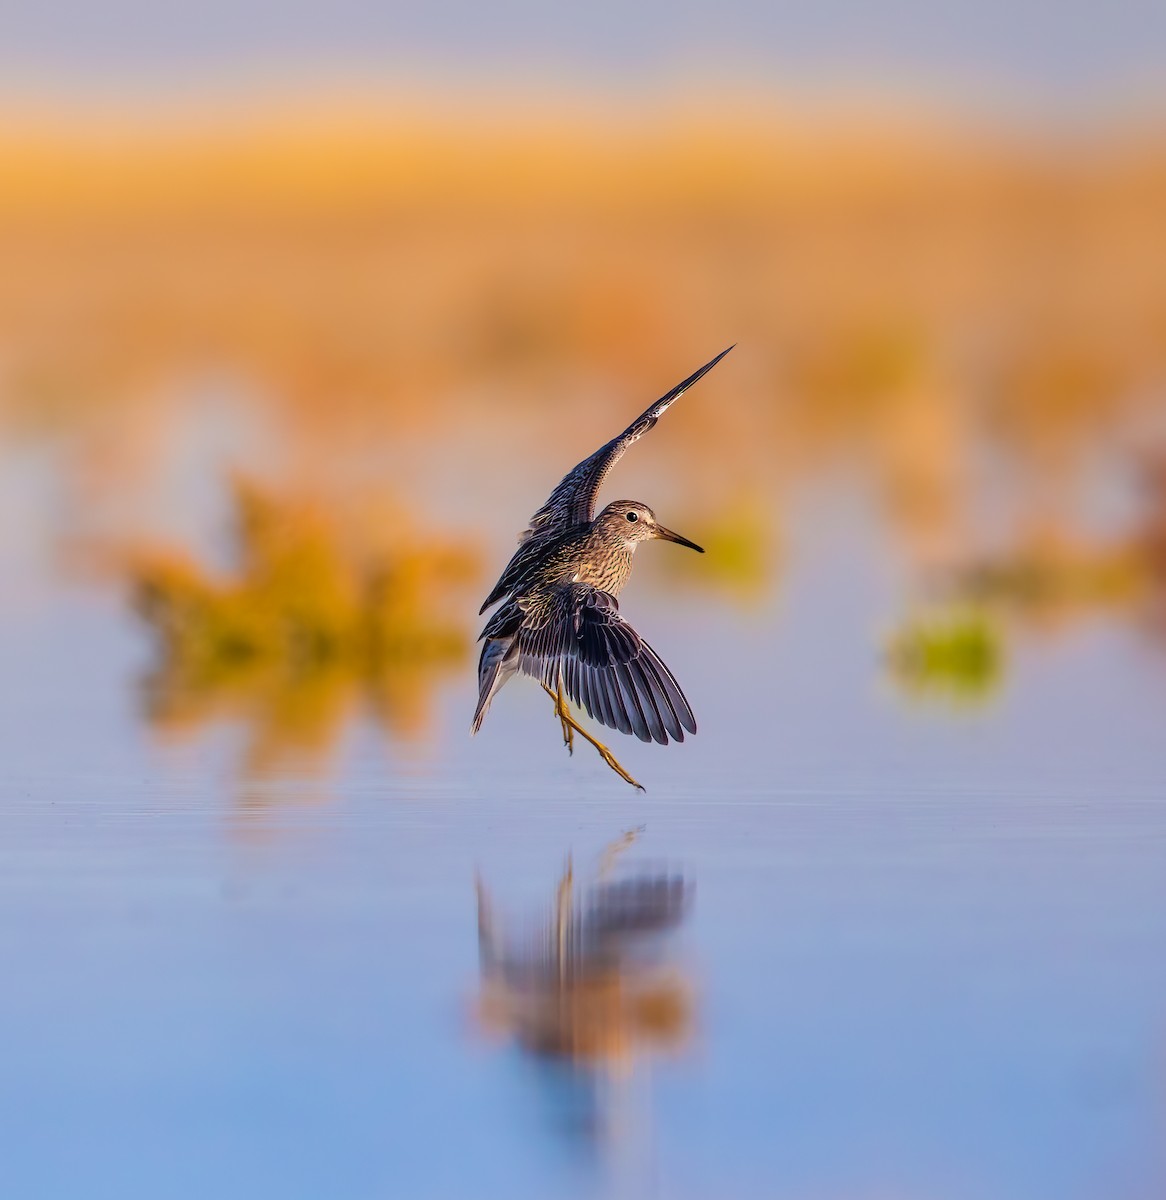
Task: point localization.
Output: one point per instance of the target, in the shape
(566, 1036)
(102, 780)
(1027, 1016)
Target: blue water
(924, 947)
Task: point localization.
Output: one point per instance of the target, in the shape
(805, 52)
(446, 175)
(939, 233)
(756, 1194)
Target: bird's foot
(564, 719)
(564, 716)
(613, 763)
(570, 724)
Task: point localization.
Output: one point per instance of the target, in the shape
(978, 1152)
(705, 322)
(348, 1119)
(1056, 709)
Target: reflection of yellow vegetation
(301, 630)
(292, 720)
(959, 655)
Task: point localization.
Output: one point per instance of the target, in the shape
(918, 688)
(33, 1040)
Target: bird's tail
(492, 674)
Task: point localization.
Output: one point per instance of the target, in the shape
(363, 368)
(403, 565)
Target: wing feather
(572, 503)
(676, 697)
(609, 703)
(647, 700)
(631, 701)
(573, 500)
(575, 632)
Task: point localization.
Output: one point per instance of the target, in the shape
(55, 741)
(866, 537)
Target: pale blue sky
(1038, 48)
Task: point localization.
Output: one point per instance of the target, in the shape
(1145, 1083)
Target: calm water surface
(920, 953)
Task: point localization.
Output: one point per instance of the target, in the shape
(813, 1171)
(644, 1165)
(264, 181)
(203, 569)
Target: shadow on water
(589, 989)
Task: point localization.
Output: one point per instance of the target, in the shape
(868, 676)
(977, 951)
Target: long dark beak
(669, 536)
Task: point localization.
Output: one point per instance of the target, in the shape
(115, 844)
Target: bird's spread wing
(572, 502)
(576, 631)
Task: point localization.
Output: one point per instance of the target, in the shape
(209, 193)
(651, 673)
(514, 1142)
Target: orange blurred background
(304, 309)
(412, 307)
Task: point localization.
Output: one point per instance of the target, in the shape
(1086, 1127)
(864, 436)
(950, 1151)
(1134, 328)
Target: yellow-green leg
(569, 724)
(561, 712)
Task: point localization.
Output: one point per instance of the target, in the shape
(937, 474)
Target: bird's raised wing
(572, 502)
(576, 631)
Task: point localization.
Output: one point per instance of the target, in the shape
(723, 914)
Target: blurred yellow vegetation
(1051, 576)
(1048, 580)
(304, 627)
(902, 289)
(378, 265)
(299, 599)
(957, 655)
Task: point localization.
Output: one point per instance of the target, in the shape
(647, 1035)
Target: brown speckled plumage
(558, 618)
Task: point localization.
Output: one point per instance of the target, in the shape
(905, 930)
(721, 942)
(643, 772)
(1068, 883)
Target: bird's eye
(633, 516)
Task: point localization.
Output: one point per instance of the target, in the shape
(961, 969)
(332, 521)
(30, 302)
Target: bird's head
(633, 522)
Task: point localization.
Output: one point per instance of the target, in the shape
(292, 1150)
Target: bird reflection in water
(590, 989)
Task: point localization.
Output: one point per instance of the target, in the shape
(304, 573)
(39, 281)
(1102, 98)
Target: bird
(558, 619)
